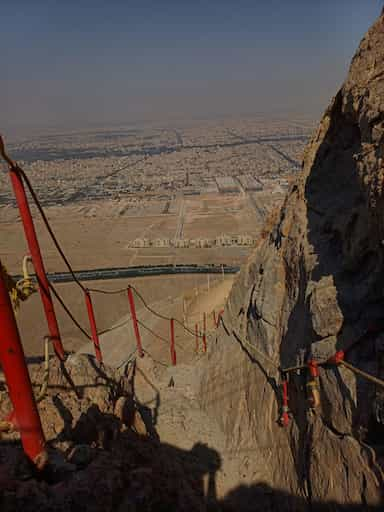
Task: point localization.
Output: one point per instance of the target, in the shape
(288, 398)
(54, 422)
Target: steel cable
(163, 317)
(107, 292)
(72, 272)
(48, 226)
(144, 326)
(31, 190)
(68, 311)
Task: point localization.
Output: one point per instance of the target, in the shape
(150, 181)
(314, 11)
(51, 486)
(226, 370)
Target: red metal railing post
(33, 244)
(92, 323)
(173, 350)
(19, 384)
(204, 332)
(197, 337)
(284, 418)
(131, 300)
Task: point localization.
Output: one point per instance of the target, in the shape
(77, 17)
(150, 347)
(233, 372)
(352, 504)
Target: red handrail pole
(131, 300)
(19, 383)
(197, 337)
(173, 350)
(204, 332)
(34, 249)
(92, 323)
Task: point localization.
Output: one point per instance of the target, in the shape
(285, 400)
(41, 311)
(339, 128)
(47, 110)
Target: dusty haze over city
(163, 136)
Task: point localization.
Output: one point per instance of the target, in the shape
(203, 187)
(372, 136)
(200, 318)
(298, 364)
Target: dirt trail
(168, 396)
(209, 301)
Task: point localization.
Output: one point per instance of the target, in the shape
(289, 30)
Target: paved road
(181, 220)
(140, 271)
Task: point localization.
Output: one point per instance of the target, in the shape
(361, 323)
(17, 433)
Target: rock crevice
(314, 286)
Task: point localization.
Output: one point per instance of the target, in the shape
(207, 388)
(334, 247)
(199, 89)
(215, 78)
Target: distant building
(223, 240)
(246, 240)
(210, 188)
(226, 184)
(191, 191)
(181, 243)
(161, 242)
(140, 243)
(203, 243)
(249, 182)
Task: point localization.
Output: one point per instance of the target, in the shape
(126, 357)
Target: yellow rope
(20, 290)
(6, 426)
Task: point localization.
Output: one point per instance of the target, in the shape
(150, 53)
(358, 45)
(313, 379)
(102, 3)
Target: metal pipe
(284, 418)
(204, 332)
(19, 385)
(173, 351)
(131, 300)
(92, 323)
(30, 234)
(363, 374)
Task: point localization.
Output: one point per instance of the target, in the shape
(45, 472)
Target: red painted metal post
(30, 234)
(134, 321)
(197, 337)
(92, 323)
(173, 350)
(204, 332)
(284, 418)
(18, 381)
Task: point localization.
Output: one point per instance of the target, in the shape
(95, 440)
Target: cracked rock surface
(315, 285)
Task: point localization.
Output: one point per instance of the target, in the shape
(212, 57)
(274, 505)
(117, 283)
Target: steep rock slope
(313, 286)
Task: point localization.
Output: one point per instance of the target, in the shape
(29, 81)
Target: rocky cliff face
(314, 286)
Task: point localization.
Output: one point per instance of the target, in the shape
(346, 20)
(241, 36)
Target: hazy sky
(73, 63)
